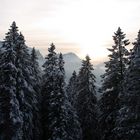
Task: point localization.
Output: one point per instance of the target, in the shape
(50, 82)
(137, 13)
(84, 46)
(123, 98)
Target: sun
(95, 52)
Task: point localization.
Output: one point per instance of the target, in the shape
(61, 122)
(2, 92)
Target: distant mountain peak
(71, 57)
(71, 54)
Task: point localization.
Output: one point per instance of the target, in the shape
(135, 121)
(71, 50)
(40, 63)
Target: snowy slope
(72, 62)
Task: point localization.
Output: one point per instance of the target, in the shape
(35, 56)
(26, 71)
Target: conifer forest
(38, 104)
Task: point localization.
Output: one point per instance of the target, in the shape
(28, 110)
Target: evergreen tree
(128, 119)
(35, 66)
(74, 123)
(18, 94)
(57, 114)
(53, 99)
(25, 87)
(37, 130)
(71, 89)
(86, 101)
(112, 84)
(61, 73)
(72, 127)
(71, 124)
(11, 119)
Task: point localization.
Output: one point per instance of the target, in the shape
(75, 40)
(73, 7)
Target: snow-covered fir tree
(128, 119)
(112, 84)
(73, 127)
(71, 124)
(37, 130)
(71, 89)
(11, 117)
(86, 101)
(35, 65)
(17, 83)
(57, 114)
(25, 87)
(49, 95)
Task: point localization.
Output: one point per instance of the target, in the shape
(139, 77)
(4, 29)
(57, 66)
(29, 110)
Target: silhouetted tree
(11, 119)
(86, 101)
(37, 130)
(71, 89)
(128, 117)
(112, 84)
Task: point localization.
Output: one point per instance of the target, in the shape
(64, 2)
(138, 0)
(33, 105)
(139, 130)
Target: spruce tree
(71, 123)
(18, 94)
(11, 117)
(17, 89)
(72, 127)
(86, 101)
(71, 89)
(25, 86)
(112, 84)
(37, 130)
(53, 98)
(57, 113)
(128, 119)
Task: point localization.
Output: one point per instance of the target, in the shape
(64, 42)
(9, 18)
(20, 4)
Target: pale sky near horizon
(80, 26)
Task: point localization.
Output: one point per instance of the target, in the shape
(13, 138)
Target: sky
(79, 26)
